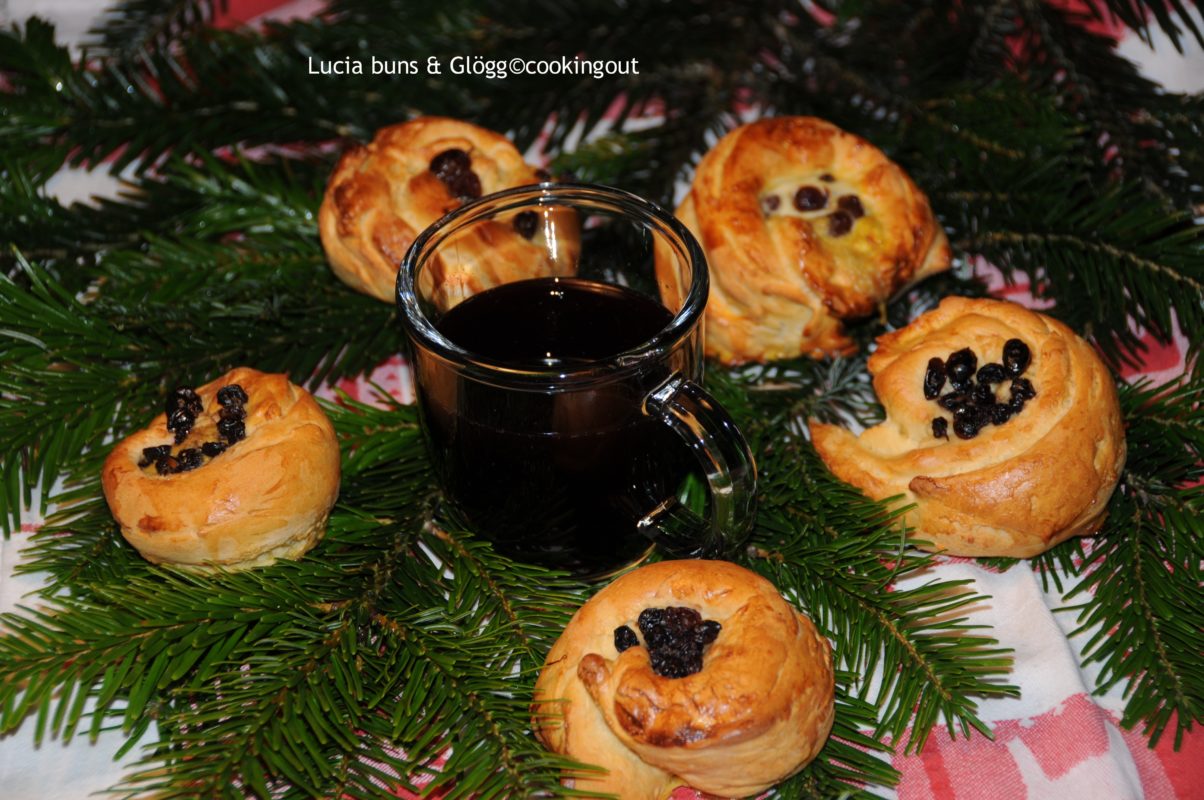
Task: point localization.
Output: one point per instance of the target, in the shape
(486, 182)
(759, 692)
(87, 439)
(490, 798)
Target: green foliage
(1148, 561)
(402, 634)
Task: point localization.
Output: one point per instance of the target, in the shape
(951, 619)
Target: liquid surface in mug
(561, 477)
(553, 321)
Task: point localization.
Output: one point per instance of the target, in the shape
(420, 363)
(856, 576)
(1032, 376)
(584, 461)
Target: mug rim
(424, 333)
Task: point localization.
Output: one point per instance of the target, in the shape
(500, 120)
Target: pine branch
(824, 543)
(834, 391)
(1132, 258)
(934, 663)
(57, 393)
(269, 205)
(70, 364)
(842, 768)
(278, 643)
(1146, 562)
(219, 89)
(1172, 17)
(135, 28)
(1112, 100)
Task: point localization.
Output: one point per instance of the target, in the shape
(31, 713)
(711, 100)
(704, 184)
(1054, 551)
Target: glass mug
(556, 335)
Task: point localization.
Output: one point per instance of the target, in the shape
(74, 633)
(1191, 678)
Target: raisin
(625, 638)
(681, 618)
(953, 401)
(1016, 404)
(852, 204)
(839, 223)
(934, 379)
(450, 163)
(180, 423)
(231, 395)
(650, 619)
(940, 428)
(213, 449)
(966, 426)
(233, 412)
(827, 177)
(525, 222)
(707, 632)
(966, 409)
(232, 430)
(152, 454)
(961, 365)
(991, 373)
(810, 198)
(770, 203)
(675, 663)
(1000, 413)
(188, 459)
(454, 168)
(1023, 388)
(166, 465)
(675, 638)
(183, 398)
(982, 394)
(1016, 357)
(466, 186)
(981, 414)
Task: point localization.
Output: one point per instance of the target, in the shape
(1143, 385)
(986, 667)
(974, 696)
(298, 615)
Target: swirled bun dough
(757, 711)
(264, 494)
(383, 194)
(986, 480)
(803, 226)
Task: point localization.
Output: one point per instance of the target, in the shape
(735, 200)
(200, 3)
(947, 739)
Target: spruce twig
(1146, 560)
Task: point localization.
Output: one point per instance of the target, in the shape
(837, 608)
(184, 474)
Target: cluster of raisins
(815, 198)
(231, 425)
(454, 168)
(183, 406)
(675, 638)
(972, 399)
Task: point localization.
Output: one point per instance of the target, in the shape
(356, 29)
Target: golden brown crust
(266, 497)
(383, 194)
(780, 282)
(1016, 489)
(759, 710)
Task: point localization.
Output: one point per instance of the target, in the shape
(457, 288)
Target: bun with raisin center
(726, 688)
(803, 225)
(238, 473)
(383, 194)
(1002, 426)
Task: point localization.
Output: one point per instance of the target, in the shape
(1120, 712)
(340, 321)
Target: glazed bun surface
(759, 709)
(1014, 488)
(265, 497)
(383, 194)
(803, 225)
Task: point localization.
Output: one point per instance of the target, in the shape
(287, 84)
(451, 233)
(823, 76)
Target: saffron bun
(760, 708)
(804, 225)
(265, 497)
(1015, 489)
(383, 194)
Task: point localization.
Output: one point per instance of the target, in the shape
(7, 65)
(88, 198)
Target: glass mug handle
(727, 463)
